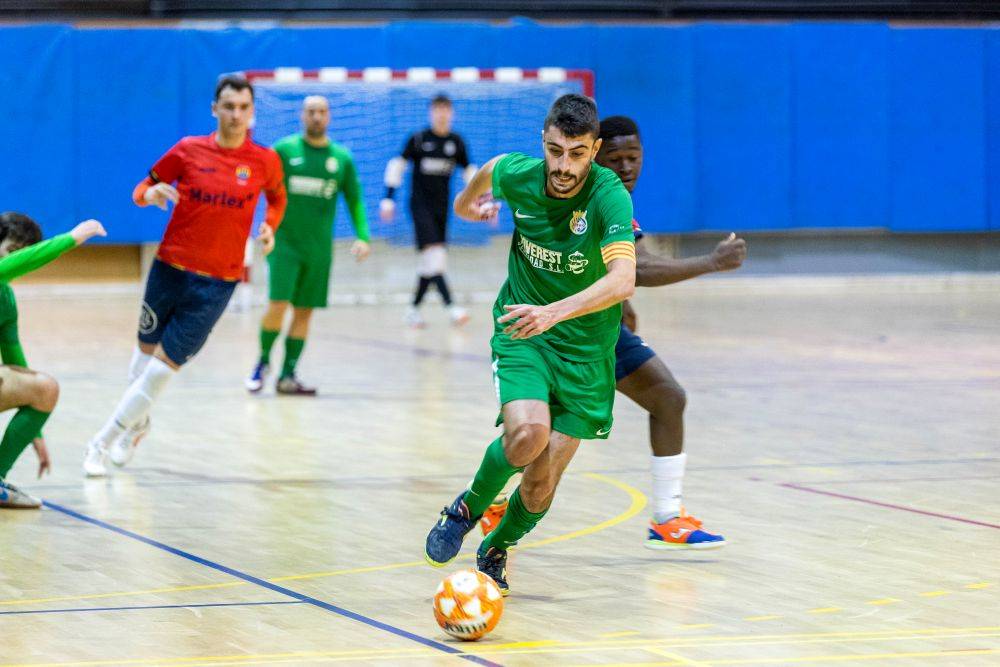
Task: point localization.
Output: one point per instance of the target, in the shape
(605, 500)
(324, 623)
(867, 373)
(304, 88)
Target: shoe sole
(434, 563)
(20, 507)
(657, 545)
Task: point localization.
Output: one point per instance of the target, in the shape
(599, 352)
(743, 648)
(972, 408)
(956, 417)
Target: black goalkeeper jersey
(434, 159)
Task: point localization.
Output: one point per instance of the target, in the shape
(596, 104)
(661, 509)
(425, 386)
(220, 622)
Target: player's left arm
(618, 253)
(356, 205)
(38, 255)
(277, 200)
(653, 270)
(619, 284)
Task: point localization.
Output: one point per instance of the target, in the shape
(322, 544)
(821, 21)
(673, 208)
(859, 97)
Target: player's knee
(46, 393)
(524, 442)
(671, 399)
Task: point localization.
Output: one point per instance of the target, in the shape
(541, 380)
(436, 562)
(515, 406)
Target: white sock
(138, 364)
(668, 479)
(136, 401)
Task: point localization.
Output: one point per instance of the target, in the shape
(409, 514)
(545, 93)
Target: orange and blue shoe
(682, 532)
(491, 517)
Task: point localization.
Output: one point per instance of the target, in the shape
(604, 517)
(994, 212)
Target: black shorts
(630, 353)
(431, 227)
(180, 309)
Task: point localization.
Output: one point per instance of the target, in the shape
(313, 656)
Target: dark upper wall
(747, 127)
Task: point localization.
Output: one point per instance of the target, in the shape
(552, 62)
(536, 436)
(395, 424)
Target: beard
(569, 182)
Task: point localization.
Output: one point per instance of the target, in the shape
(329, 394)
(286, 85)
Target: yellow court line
(883, 601)
(616, 635)
(754, 619)
(541, 647)
(984, 584)
(825, 610)
(676, 657)
(637, 504)
(813, 658)
(934, 594)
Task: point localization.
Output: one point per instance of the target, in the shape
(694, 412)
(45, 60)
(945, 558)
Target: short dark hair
(441, 98)
(237, 82)
(18, 227)
(574, 115)
(618, 126)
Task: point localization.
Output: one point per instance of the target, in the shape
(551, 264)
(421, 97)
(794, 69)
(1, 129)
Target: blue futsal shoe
(493, 562)
(445, 539)
(255, 381)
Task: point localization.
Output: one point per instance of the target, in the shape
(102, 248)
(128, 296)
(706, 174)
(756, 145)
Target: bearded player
(571, 264)
(641, 374)
(317, 170)
(219, 178)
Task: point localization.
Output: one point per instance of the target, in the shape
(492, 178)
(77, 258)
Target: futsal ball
(468, 604)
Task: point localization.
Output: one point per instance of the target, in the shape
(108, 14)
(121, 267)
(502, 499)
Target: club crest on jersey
(332, 165)
(449, 148)
(578, 225)
(243, 174)
(576, 262)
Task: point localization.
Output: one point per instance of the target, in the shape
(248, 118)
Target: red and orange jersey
(219, 188)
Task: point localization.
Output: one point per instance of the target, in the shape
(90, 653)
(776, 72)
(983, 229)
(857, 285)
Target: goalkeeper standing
(316, 171)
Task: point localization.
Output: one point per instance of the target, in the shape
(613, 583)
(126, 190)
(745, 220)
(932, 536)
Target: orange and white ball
(468, 604)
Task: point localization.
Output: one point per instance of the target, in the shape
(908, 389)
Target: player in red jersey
(219, 178)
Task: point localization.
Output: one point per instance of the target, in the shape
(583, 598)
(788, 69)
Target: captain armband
(618, 250)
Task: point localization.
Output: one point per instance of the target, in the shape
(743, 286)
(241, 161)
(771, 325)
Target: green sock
(267, 338)
(293, 350)
(21, 430)
(514, 525)
(493, 473)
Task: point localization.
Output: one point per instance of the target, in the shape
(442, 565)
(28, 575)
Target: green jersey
(13, 266)
(313, 179)
(557, 248)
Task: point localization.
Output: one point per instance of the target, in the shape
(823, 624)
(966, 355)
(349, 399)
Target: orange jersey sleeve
(274, 191)
(138, 194)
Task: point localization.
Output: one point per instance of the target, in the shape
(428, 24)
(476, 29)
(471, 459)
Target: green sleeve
(355, 201)
(34, 257)
(499, 172)
(616, 215)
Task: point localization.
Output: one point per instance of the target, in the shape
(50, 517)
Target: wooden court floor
(845, 440)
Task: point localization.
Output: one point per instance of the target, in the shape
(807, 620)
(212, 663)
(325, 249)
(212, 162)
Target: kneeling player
(34, 394)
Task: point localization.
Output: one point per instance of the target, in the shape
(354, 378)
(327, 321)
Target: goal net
(374, 111)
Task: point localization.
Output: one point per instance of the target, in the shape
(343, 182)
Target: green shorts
(580, 394)
(303, 280)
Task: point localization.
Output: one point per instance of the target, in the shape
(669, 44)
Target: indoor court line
(379, 625)
(552, 647)
(879, 503)
(808, 659)
(152, 606)
(637, 504)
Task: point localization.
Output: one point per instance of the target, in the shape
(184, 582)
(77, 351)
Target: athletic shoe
(13, 498)
(445, 539)
(682, 532)
(458, 316)
(493, 562)
(255, 382)
(413, 318)
(123, 449)
(93, 462)
(290, 386)
(493, 514)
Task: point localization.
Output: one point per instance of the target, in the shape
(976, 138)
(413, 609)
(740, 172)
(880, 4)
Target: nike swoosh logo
(295, 161)
(679, 533)
(523, 216)
(604, 431)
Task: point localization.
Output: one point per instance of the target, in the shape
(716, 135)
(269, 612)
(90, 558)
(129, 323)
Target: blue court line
(249, 578)
(152, 606)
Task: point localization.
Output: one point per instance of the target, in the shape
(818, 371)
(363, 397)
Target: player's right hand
(266, 237)
(161, 193)
(87, 230)
(44, 462)
(387, 210)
